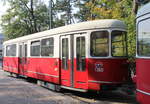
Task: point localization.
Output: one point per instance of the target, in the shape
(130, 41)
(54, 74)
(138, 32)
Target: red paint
(114, 70)
(10, 64)
(46, 69)
(80, 77)
(94, 86)
(142, 98)
(65, 75)
(39, 68)
(49, 69)
(142, 79)
(23, 65)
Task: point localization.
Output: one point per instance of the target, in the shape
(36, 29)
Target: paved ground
(19, 91)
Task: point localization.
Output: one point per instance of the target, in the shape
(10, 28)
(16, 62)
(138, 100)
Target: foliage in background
(124, 10)
(24, 17)
(64, 9)
(113, 9)
(30, 16)
(84, 11)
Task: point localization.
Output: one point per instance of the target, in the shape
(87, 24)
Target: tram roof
(144, 10)
(88, 25)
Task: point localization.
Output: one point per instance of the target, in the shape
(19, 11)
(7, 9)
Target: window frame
(126, 46)
(48, 46)
(7, 53)
(137, 40)
(64, 64)
(10, 54)
(37, 45)
(83, 69)
(108, 43)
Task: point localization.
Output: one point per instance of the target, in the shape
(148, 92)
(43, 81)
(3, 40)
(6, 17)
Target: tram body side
(142, 55)
(70, 63)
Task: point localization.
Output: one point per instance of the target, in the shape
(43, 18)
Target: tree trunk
(93, 6)
(135, 7)
(33, 17)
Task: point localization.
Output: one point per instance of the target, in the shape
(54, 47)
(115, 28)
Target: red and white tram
(143, 54)
(84, 56)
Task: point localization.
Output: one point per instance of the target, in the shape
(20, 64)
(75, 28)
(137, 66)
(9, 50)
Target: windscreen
(119, 43)
(100, 44)
(143, 38)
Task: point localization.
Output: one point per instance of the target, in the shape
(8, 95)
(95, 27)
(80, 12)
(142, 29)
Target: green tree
(64, 8)
(30, 16)
(84, 11)
(24, 17)
(124, 10)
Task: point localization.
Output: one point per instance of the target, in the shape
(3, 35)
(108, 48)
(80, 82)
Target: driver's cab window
(99, 44)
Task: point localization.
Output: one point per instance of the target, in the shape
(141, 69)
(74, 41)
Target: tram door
(73, 61)
(22, 58)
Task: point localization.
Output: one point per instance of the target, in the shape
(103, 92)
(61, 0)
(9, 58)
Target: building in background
(1, 45)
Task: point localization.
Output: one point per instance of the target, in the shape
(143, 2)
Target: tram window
(20, 51)
(119, 45)
(8, 50)
(100, 44)
(143, 48)
(11, 50)
(80, 46)
(26, 50)
(143, 38)
(47, 47)
(65, 54)
(35, 48)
